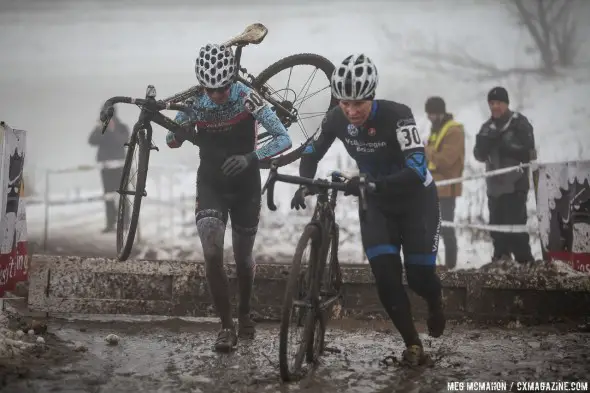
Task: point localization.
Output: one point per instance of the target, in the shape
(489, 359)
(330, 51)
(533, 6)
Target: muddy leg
(387, 270)
(243, 243)
(425, 282)
(211, 231)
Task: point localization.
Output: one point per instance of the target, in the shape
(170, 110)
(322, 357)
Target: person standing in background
(110, 147)
(506, 140)
(445, 151)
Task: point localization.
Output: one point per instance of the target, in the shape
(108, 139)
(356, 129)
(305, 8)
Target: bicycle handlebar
(149, 104)
(338, 183)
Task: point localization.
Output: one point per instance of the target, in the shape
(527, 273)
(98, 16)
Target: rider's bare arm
(281, 140)
(415, 173)
(316, 150)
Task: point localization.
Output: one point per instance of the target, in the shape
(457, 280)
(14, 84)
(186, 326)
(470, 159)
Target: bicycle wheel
(130, 197)
(296, 305)
(294, 103)
(329, 279)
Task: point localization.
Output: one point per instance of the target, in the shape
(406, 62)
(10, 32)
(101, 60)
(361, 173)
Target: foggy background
(59, 61)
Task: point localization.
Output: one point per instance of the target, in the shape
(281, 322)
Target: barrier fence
(175, 205)
(181, 205)
(167, 208)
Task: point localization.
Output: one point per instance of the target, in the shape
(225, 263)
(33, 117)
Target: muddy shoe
(414, 356)
(436, 322)
(226, 340)
(246, 328)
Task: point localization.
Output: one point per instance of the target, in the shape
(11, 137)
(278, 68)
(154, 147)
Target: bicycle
(141, 136)
(312, 291)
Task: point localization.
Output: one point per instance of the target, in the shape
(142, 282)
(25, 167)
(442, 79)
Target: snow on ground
(107, 62)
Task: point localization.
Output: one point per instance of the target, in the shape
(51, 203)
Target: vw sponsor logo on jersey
(352, 130)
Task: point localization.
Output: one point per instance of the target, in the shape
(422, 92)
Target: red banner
(13, 219)
(13, 268)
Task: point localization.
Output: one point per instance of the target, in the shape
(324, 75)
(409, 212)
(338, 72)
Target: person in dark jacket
(506, 140)
(110, 148)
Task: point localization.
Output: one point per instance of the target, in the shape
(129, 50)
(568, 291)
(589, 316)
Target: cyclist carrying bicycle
(222, 124)
(403, 211)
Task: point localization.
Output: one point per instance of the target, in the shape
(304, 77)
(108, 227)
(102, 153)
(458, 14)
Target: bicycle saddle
(252, 34)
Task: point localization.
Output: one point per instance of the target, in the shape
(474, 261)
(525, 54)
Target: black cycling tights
(387, 270)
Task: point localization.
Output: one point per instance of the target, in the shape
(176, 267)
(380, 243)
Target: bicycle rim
(130, 197)
(298, 286)
(292, 99)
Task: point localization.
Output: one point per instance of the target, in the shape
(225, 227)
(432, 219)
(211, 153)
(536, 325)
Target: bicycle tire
(330, 281)
(310, 233)
(320, 62)
(125, 244)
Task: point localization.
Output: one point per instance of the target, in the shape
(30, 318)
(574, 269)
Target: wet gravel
(176, 356)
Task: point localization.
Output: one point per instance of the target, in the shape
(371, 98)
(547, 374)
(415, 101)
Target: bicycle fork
(322, 296)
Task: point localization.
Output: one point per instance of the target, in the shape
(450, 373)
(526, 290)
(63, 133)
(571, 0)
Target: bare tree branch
(564, 7)
(543, 47)
(552, 30)
(459, 62)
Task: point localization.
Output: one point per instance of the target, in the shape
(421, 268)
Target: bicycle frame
(323, 215)
(288, 116)
(324, 218)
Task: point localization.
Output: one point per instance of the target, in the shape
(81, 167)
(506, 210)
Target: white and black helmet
(355, 78)
(215, 66)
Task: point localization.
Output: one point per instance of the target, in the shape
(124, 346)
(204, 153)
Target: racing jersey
(230, 129)
(387, 148)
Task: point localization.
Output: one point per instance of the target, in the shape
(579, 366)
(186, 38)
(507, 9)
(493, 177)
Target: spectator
(110, 147)
(506, 140)
(445, 152)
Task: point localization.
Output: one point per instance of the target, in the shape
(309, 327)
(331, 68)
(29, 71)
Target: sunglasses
(222, 89)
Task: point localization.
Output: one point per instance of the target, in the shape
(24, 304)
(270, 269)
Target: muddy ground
(176, 356)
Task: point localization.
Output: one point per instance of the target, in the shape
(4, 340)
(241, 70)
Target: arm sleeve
(173, 140)
(481, 149)
(522, 146)
(452, 149)
(280, 139)
(415, 173)
(316, 150)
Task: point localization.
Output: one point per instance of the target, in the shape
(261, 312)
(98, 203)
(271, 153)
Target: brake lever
(271, 195)
(105, 117)
(271, 176)
(267, 184)
(363, 187)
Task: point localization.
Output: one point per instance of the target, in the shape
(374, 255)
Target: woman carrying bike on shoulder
(222, 124)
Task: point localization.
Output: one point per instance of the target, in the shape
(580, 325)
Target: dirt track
(176, 356)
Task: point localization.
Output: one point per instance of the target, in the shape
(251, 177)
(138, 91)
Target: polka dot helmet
(215, 66)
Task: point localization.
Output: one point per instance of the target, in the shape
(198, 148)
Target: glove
(298, 200)
(184, 133)
(235, 165)
(353, 186)
(485, 142)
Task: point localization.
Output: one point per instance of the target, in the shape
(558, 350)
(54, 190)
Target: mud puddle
(176, 356)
